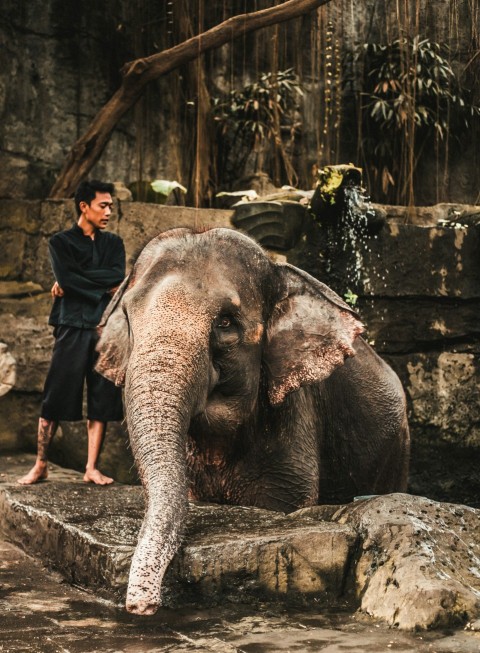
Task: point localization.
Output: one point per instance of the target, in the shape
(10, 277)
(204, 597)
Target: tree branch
(136, 74)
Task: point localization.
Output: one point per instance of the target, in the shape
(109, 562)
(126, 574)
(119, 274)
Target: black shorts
(73, 359)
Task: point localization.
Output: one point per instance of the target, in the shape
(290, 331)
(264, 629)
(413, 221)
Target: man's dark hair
(87, 190)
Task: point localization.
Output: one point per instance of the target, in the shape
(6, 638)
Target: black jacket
(86, 269)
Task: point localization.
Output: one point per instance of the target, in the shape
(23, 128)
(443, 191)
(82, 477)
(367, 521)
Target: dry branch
(136, 74)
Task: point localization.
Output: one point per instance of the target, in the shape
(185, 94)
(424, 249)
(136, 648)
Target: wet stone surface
(244, 580)
(88, 533)
(40, 613)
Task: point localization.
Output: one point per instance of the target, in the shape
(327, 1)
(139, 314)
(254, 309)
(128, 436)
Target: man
(88, 265)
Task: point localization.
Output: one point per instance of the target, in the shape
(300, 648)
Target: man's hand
(56, 291)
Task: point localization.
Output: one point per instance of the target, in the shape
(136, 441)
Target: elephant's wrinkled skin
(246, 383)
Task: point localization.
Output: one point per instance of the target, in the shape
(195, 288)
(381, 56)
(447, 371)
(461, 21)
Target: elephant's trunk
(162, 392)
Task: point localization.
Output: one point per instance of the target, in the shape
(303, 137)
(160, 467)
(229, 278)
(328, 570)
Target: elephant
(246, 382)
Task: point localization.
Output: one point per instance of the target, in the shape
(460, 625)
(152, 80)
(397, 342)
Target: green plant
(350, 297)
(413, 98)
(155, 192)
(253, 121)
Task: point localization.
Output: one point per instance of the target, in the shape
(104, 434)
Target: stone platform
(88, 533)
(408, 560)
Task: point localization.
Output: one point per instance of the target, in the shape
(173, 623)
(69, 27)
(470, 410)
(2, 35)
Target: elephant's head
(205, 320)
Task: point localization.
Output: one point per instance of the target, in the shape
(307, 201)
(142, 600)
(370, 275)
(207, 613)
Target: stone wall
(418, 287)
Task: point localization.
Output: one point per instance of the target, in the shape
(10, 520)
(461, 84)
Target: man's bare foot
(39, 472)
(95, 476)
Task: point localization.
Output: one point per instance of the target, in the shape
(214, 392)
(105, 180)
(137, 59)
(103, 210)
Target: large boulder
(418, 565)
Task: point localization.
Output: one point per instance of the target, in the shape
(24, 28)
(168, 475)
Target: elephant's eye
(226, 331)
(224, 322)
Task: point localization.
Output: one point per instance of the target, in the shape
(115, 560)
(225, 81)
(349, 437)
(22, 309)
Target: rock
(122, 192)
(29, 337)
(56, 215)
(19, 413)
(391, 327)
(19, 289)
(229, 552)
(20, 215)
(410, 561)
(16, 179)
(37, 262)
(404, 260)
(13, 249)
(445, 268)
(419, 560)
(443, 389)
(429, 216)
(7, 370)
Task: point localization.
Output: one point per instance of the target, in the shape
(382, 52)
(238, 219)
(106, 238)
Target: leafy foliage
(414, 98)
(350, 297)
(253, 119)
(426, 87)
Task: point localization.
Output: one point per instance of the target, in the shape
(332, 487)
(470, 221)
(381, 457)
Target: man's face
(99, 211)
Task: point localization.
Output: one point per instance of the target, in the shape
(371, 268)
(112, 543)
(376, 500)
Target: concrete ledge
(88, 533)
(411, 561)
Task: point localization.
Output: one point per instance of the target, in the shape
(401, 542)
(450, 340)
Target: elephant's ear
(310, 333)
(114, 343)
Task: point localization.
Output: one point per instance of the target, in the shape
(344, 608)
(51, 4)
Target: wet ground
(41, 613)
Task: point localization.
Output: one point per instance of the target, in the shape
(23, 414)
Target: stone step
(88, 533)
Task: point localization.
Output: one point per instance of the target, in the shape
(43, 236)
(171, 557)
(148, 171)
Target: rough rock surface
(455, 380)
(409, 561)
(7, 370)
(89, 534)
(419, 561)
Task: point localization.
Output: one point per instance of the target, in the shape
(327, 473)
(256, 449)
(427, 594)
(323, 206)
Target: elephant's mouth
(223, 415)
